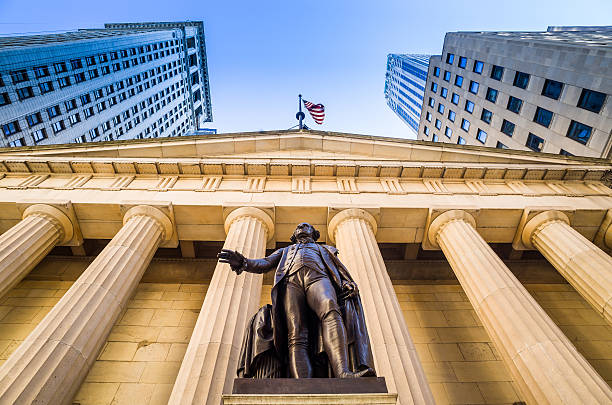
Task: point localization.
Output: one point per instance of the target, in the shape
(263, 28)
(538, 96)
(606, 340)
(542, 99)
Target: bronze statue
(316, 312)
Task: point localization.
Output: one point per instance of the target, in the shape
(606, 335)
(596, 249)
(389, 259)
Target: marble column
(50, 365)
(24, 245)
(585, 266)
(545, 365)
(353, 231)
(209, 366)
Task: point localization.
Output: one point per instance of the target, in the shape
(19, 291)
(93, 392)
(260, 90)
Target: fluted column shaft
(585, 266)
(395, 355)
(546, 366)
(24, 245)
(50, 365)
(210, 362)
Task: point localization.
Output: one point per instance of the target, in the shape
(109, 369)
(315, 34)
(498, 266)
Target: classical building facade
(485, 274)
(126, 81)
(542, 91)
(404, 86)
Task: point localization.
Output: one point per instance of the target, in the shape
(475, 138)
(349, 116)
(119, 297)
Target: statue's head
(305, 230)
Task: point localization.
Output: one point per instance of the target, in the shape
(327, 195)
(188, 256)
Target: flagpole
(300, 114)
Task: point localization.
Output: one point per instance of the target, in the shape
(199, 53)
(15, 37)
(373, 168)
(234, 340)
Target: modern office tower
(125, 81)
(405, 85)
(541, 91)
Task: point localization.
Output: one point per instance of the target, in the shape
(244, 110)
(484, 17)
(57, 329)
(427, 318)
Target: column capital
(61, 220)
(260, 215)
(350, 213)
(536, 223)
(444, 219)
(155, 213)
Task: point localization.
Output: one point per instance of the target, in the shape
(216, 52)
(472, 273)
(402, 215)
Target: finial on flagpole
(300, 115)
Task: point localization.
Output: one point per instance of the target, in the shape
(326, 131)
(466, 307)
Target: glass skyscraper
(133, 80)
(405, 85)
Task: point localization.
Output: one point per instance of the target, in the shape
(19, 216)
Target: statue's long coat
(354, 320)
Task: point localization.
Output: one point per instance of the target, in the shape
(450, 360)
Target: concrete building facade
(484, 273)
(404, 86)
(122, 82)
(542, 91)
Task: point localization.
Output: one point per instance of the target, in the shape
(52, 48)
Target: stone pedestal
(543, 362)
(311, 399)
(209, 366)
(353, 231)
(307, 386)
(49, 366)
(585, 266)
(24, 245)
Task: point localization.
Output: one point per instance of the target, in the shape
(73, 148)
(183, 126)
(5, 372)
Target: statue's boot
(334, 342)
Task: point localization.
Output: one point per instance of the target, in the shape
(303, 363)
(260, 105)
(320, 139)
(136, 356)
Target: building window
(514, 104)
(85, 99)
(45, 87)
(448, 132)
(435, 138)
(579, 132)
(94, 133)
(460, 141)
(438, 123)
(486, 115)
(70, 104)
(89, 112)
(450, 58)
(455, 99)
(53, 111)
(39, 135)
(447, 76)
(443, 92)
(4, 99)
(465, 125)
(98, 94)
(25, 93)
(103, 58)
(431, 102)
(93, 73)
(116, 67)
(58, 126)
(481, 136)
(428, 116)
(469, 106)
(41, 71)
(500, 145)
(19, 76)
(33, 119)
(552, 89)
(534, 142)
(16, 143)
(91, 60)
(441, 108)
(451, 115)
(426, 131)
(543, 117)
(76, 63)
(436, 72)
(60, 67)
(478, 66)
(565, 153)
(105, 70)
(507, 128)
(521, 80)
(458, 81)
(474, 87)
(497, 72)
(11, 128)
(64, 81)
(491, 95)
(462, 62)
(74, 119)
(434, 87)
(591, 100)
(79, 77)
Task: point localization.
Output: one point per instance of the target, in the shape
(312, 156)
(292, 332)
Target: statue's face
(304, 230)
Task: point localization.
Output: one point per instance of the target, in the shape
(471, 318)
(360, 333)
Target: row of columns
(49, 366)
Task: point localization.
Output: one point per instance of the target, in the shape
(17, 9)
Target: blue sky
(262, 54)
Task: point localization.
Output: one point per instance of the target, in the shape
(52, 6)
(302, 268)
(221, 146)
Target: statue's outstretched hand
(233, 258)
(349, 290)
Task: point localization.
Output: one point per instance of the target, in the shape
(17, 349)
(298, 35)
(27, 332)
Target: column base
(323, 386)
(310, 399)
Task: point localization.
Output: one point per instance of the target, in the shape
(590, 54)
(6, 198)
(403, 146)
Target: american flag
(317, 111)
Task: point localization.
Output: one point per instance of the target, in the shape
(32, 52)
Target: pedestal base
(270, 386)
(310, 399)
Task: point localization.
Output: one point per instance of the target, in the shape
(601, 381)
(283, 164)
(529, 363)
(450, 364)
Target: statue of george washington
(315, 325)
